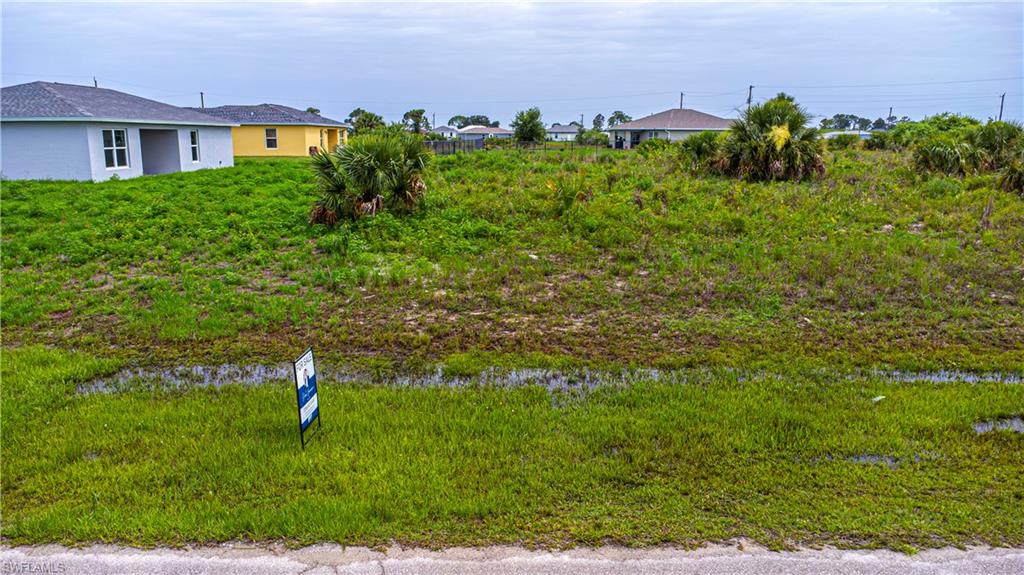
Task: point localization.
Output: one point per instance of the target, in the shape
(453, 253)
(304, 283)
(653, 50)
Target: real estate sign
(305, 392)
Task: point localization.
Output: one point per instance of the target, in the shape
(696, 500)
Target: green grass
(776, 295)
(721, 457)
(597, 257)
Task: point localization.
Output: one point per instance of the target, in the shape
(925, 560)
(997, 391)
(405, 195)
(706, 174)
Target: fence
(550, 146)
(445, 147)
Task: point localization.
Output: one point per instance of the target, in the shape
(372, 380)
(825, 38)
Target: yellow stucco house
(276, 130)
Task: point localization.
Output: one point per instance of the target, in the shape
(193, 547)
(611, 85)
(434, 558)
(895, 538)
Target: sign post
(305, 393)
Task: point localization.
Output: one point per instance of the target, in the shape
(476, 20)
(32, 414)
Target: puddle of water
(568, 381)
(217, 376)
(1007, 424)
(870, 459)
(889, 461)
(949, 376)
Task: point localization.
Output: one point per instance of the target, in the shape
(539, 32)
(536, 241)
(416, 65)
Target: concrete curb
(240, 558)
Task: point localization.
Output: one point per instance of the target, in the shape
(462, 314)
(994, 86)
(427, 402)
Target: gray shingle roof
(564, 129)
(269, 114)
(677, 119)
(53, 101)
(483, 130)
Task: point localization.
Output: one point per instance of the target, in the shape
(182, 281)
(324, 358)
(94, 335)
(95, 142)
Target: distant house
(446, 132)
(483, 132)
(862, 134)
(674, 124)
(70, 132)
(276, 130)
(561, 133)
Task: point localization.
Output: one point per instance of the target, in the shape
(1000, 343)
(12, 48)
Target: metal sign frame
(298, 397)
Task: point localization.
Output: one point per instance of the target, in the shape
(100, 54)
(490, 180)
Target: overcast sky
(566, 58)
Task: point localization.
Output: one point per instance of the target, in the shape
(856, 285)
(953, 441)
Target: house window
(115, 149)
(271, 138)
(194, 143)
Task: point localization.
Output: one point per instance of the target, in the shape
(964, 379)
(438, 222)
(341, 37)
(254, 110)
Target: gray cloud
(497, 58)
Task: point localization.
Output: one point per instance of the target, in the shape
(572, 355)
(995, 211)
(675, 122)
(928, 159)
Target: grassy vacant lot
(594, 258)
(781, 297)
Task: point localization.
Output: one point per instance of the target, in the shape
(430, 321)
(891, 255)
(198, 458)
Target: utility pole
(888, 119)
(1001, 100)
(433, 120)
(95, 84)
(750, 95)
(202, 100)
(581, 122)
(681, 94)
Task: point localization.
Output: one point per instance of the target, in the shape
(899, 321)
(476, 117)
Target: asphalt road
(245, 559)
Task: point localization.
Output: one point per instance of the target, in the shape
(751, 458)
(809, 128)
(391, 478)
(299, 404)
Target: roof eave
(93, 119)
(669, 129)
(293, 124)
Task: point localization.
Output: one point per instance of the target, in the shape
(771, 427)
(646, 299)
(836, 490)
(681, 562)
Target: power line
(813, 100)
(898, 84)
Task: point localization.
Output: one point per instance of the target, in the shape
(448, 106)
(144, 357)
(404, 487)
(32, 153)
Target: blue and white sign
(305, 390)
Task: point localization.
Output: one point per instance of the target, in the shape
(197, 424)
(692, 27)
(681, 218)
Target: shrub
(1011, 177)
(944, 153)
(653, 146)
(335, 195)
(907, 134)
(498, 143)
(878, 141)
(700, 148)
(370, 171)
(772, 141)
(940, 187)
(592, 138)
(999, 141)
(567, 191)
(844, 142)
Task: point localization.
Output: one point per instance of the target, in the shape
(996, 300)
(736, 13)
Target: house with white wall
(446, 132)
(674, 124)
(484, 132)
(562, 133)
(59, 131)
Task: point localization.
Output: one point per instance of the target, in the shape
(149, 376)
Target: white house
(862, 134)
(674, 124)
(560, 133)
(70, 132)
(447, 132)
(483, 132)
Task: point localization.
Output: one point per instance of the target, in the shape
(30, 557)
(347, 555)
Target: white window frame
(194, 146)
(114, 148)
(267, 138)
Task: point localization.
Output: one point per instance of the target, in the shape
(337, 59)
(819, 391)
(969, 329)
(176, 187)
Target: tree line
(416, 121)
(855, 122)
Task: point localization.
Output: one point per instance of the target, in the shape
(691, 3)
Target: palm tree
(370, 171)
(772, 141)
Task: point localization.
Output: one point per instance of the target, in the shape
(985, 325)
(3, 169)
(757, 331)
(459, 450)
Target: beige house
(674, 124)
